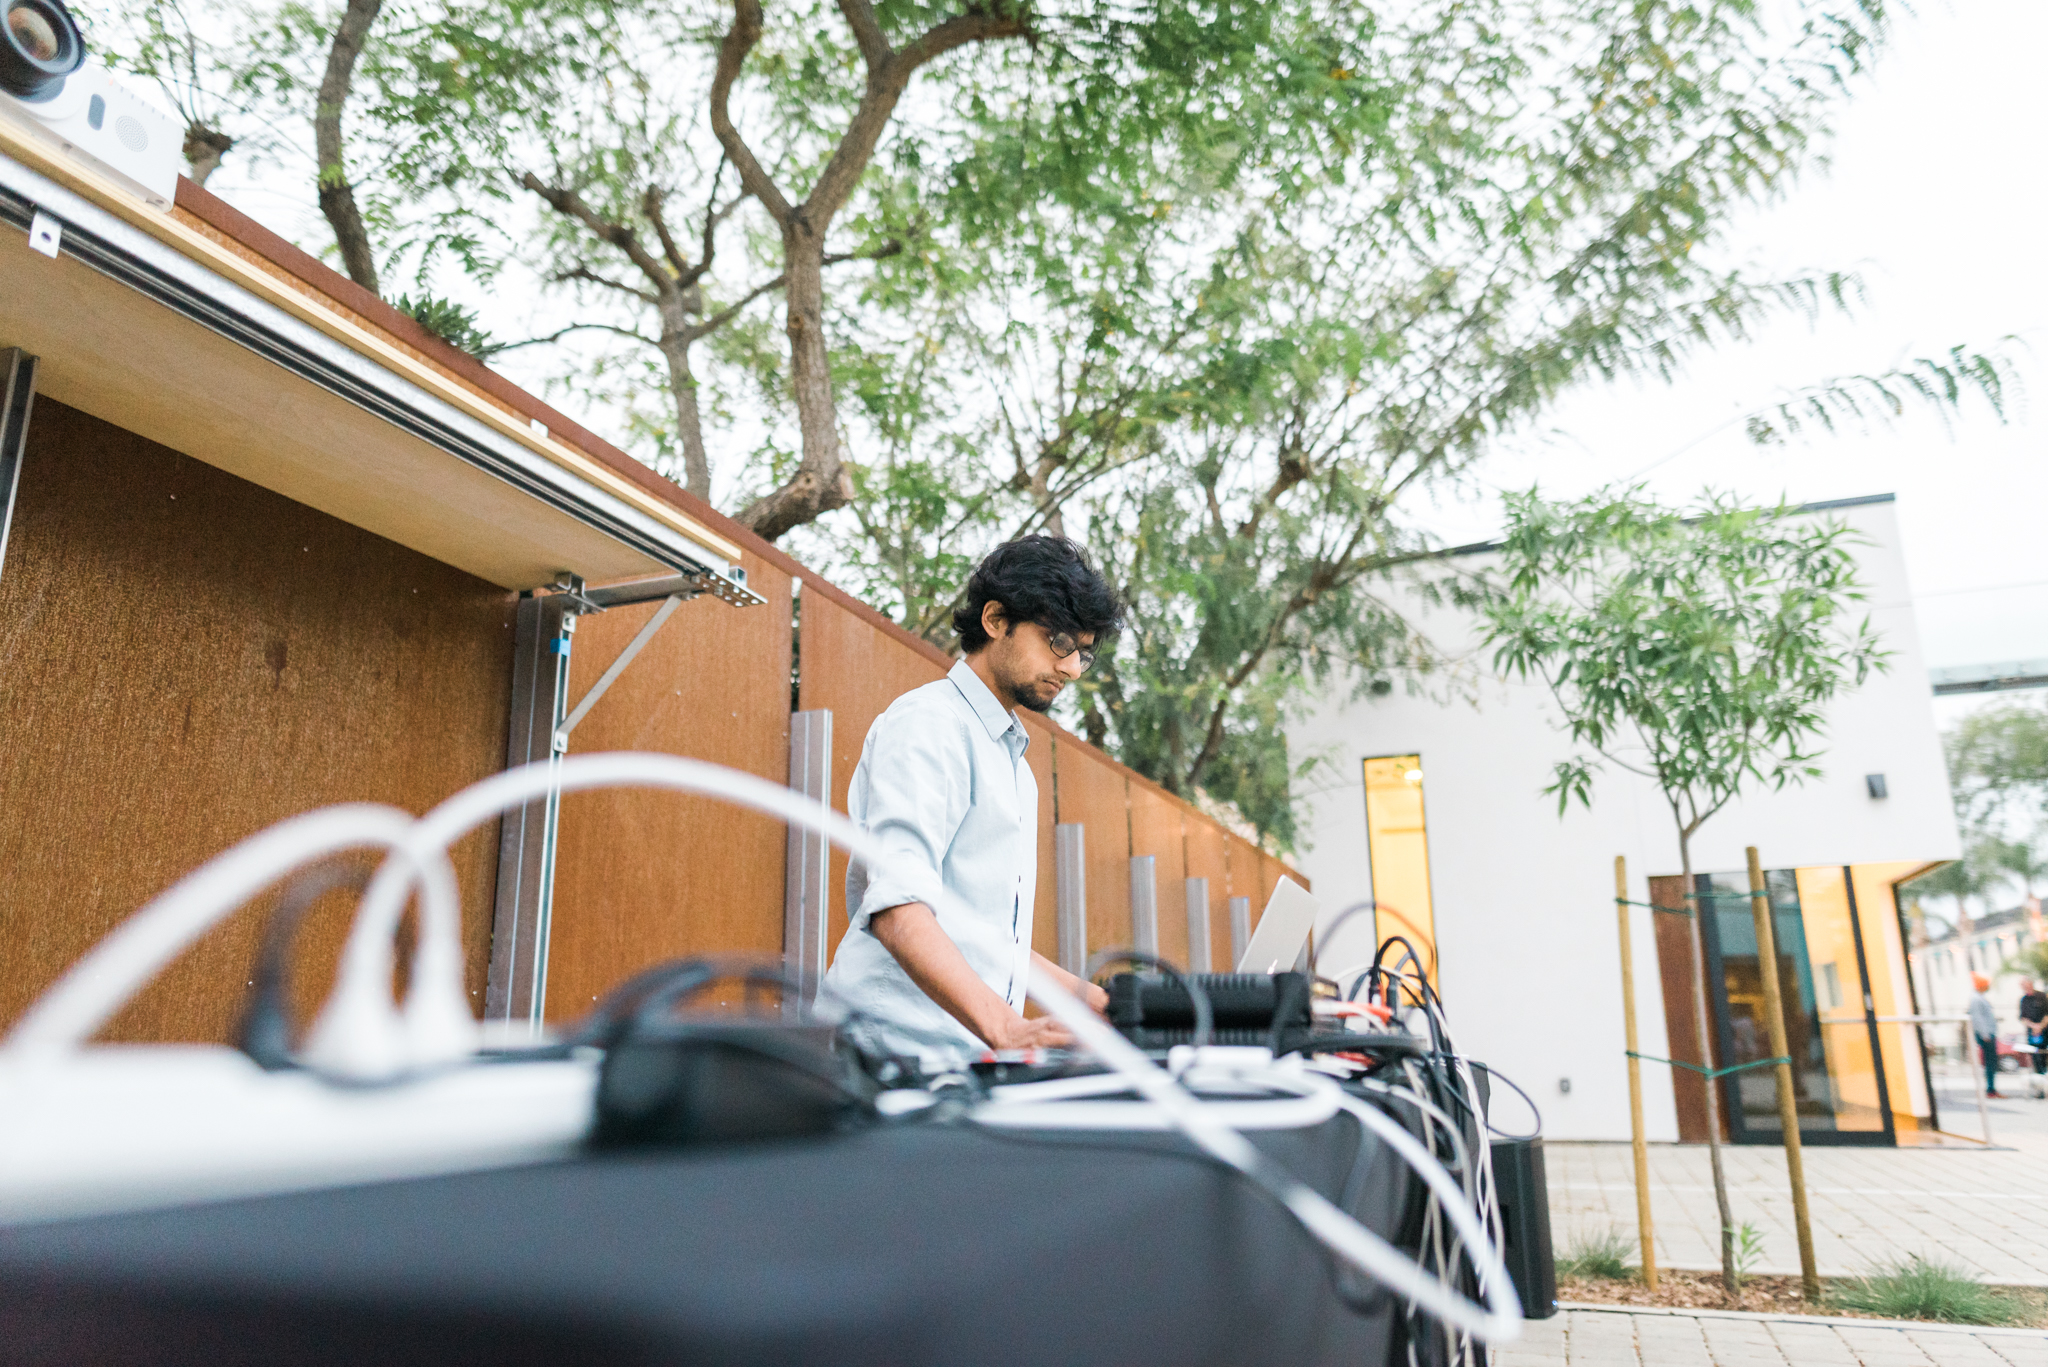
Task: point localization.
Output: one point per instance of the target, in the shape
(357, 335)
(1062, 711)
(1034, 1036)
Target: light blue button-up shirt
(943, 785)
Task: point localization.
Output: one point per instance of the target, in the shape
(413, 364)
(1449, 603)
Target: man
(943, 785)
(1984, 1025)
(2034, 1020)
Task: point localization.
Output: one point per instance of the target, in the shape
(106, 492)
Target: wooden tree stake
(1635, 1078)
(1788, 1108)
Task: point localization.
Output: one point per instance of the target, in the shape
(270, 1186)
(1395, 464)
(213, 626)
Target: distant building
(1949, 954)
(1434, 806)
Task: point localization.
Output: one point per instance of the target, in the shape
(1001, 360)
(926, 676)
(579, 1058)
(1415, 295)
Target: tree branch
(591, 277)
(874, 47)
(577, 327)
(740, 40)
(726, 315)
(569, 204)
(337, 196)
(650, 209)
(886, 83)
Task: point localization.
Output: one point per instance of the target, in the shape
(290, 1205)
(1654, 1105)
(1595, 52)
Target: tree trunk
(682, 383)
(1701, 1019)
(203, 149)
(821, 481)
(337, 196)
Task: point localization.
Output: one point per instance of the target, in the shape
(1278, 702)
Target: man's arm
(912, 933)
(1093, 997)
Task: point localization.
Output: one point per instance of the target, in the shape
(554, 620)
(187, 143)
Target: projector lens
(34, 32)
(40, 47)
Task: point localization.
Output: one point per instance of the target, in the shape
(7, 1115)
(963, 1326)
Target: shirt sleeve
(919, 787)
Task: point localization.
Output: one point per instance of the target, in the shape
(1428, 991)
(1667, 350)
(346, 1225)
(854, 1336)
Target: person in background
(2034, 1020)
(1984, 1025)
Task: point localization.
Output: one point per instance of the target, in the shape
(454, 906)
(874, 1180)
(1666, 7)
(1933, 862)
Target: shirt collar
(992, 713)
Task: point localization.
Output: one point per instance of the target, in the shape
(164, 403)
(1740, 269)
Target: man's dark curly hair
(1042, 579)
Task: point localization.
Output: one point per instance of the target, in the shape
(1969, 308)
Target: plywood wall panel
(1247, 872)
(190, 658)
(1093, 792)
(855, 669)
(643, 876)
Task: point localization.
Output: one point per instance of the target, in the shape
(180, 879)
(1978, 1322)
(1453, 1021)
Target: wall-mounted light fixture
(1875, 784)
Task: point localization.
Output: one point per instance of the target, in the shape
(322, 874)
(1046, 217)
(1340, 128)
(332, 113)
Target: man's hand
(1038, 1032)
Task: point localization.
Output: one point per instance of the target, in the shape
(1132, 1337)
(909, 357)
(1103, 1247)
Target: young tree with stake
(1697, 648)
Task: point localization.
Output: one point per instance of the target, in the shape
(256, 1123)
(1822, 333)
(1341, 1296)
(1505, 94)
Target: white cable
(360, 1012)
(93, 989)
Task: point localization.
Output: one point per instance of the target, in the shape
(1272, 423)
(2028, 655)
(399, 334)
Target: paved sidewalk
(1983, 1210)
(1607, 1338)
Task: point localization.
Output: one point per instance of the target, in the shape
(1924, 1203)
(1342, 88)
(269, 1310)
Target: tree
(2023, 861)
(1998, 765)
(336, 194)
(1695, 648)
(591, 111)
(1246, 351)
(1958, 880)
(160, 41)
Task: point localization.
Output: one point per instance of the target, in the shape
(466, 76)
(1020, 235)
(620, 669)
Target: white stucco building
(1519, 901)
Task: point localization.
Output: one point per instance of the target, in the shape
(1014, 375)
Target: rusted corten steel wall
(190, 658)
(642, 875)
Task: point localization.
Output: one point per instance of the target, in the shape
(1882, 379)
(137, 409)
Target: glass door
(1838, 1088)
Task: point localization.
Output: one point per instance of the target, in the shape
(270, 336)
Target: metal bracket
(17, 397)
(618, 667)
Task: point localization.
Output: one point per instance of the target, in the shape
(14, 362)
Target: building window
(1397, 847)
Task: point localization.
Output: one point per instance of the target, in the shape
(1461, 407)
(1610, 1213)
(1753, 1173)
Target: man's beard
(1027, 696)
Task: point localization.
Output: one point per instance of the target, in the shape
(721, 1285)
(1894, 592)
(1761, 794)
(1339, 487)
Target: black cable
(1499, 1133)
(1325, 936)
(266, 1031)
(1205, 1014)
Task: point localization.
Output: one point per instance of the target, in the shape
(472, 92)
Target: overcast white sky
(1937, 195)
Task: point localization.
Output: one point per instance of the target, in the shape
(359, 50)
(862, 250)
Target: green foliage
(2030, 962)
(1605, 1254)
(1695, 647)
(449, 321)
(1911, 1287)
(1937, 386)
(1998, 764)
(1215, 289)
(1749, 1248)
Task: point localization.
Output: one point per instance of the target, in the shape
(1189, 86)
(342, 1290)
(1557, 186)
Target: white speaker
(49, 91)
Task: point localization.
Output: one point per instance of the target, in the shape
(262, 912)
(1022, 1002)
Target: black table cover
(914, 1243)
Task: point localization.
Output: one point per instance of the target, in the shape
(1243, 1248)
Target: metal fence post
(1145, 904)
(1198, 926)
(1070, 879)
(806, 898)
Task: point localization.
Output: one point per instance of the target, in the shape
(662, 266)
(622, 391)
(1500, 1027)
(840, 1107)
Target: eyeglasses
(1063, 644)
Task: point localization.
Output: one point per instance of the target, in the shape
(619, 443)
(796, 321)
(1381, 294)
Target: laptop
(1282, 932)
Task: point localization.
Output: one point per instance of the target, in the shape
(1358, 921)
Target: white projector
(48, 91)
